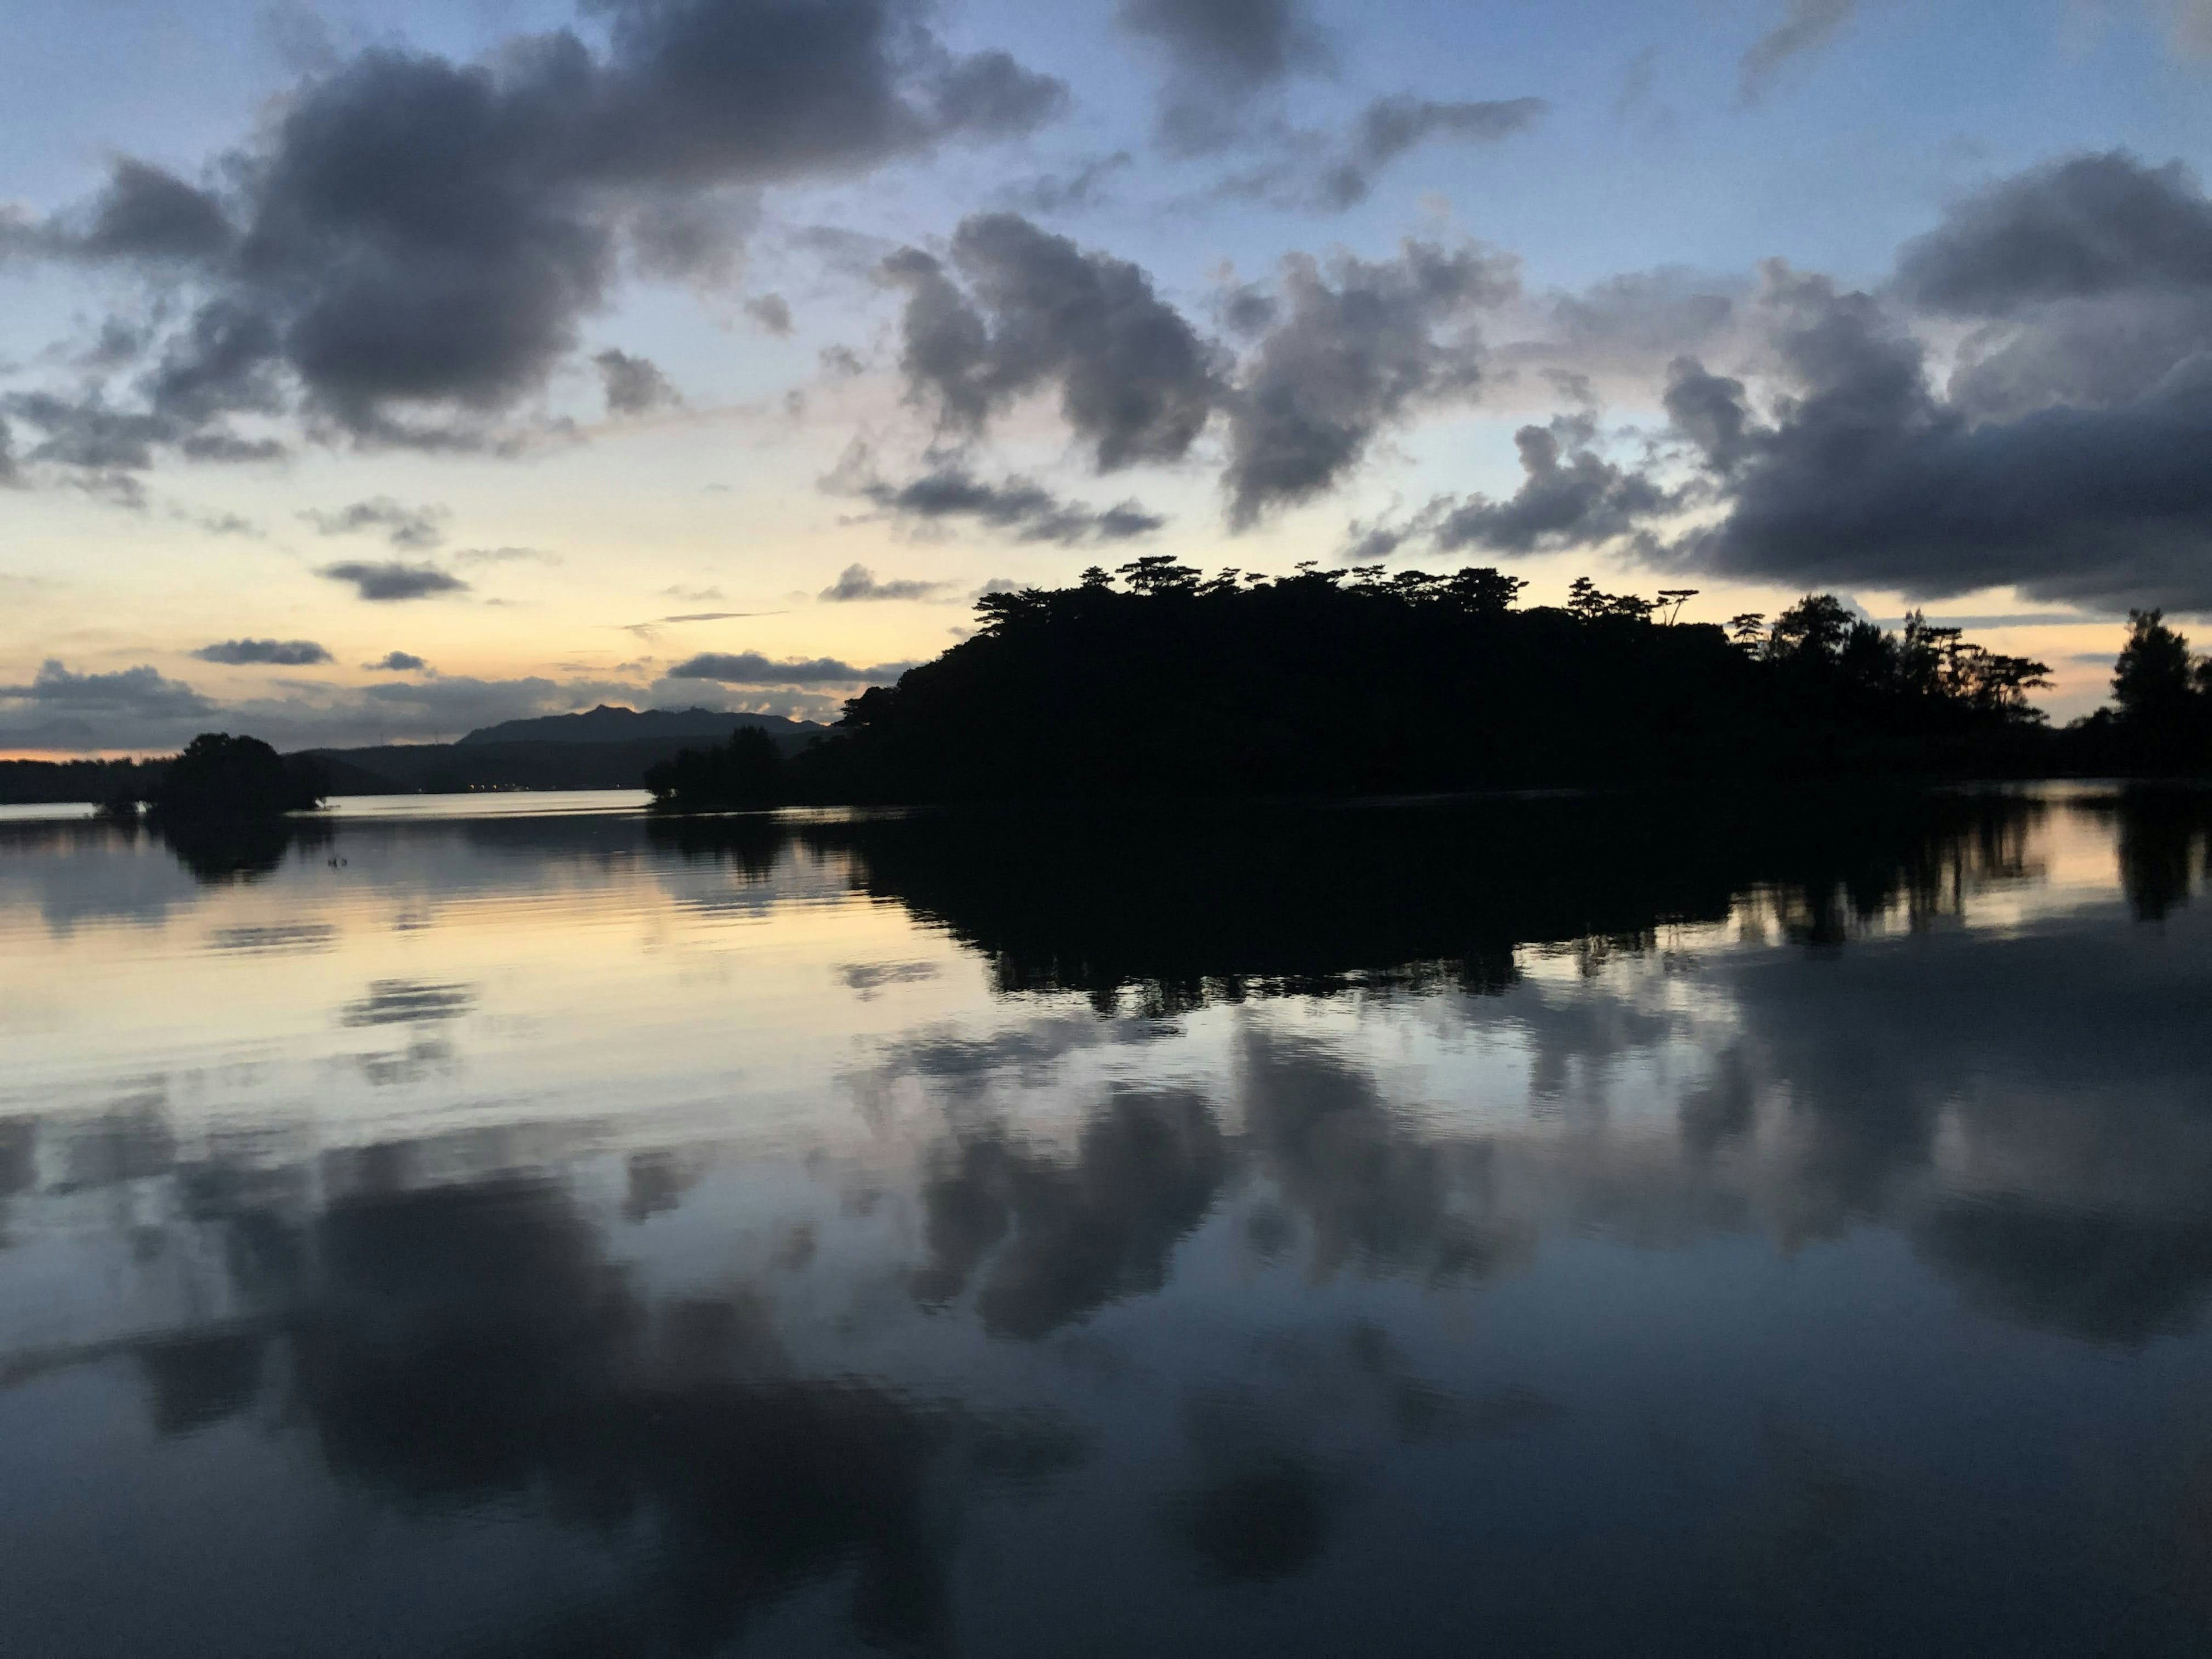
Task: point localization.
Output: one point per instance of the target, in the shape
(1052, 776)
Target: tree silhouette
(2154, 679)
(221, 777)
(746, 771)
(1157, 680)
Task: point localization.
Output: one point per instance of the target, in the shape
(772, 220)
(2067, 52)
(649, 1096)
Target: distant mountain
(604, 749)
(608, 724)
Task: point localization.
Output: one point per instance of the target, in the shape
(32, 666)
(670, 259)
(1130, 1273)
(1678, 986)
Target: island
(1167, 683)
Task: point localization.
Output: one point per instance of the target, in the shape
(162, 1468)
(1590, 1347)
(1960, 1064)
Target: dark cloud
(1031, 513)
(397, 662)
(144, 213)
(1387, 129)
(1136, 381)
(411, 247)
(633, 386)
(388, 580)
(1572, 497)
(130, 691)
(1370, 541)
(405, 527)
(216, 524)
(1710, 410)
(2071, 471)
(129, 708)
(86, 434)
(147, 214)
(285, 653)
(114, 489)
(2091, 226)
(1084, 186)
(1357, 346)
(1221, 55)
(858, 582)
(750, 668)
(772, 311)
(2091, 280)
(1806, 26)
(1343, 352)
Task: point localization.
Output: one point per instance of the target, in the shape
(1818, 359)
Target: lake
(505, 1225)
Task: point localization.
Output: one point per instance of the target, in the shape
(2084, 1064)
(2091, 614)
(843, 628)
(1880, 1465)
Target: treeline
(29, 782)
(1166, 682)
(216, 776)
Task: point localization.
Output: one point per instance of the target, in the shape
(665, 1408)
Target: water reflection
(1700, 1226)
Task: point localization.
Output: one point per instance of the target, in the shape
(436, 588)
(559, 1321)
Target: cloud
(1630, 326)
(129, 708)
(1343, 351)
(1391, 126)
(479, 556)
(391, 580)
(1571, 497)
(1356, 346)
(772, 311)
(1136, 382)
(144, 213)
(140, 690)
(633, 386)
(2078, 485)
(404, 526)
(138, 708)
(750, 668)
(857, 582)
(2089, 281)
(2088, 226)
(1084, 186)
(1032, 512)
(407, 251)
(1221, 55)
(1807, 27)
(87, 434)
(287, 653)
(216, 524)
(1345, 172)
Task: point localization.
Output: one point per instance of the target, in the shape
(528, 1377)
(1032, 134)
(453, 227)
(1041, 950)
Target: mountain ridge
(614, 723)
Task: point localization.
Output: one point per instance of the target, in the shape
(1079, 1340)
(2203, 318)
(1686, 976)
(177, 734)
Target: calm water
(1540, 1227)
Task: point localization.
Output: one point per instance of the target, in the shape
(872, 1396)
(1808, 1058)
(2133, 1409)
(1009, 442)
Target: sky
(371, 373)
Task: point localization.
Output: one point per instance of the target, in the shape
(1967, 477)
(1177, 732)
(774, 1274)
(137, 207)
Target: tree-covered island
(1167, 682)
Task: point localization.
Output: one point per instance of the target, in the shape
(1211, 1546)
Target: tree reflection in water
(1178, 1264)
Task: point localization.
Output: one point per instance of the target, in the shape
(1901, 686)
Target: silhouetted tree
(221, 777)
(2154, 679)
(745, 773)
(1817, 626)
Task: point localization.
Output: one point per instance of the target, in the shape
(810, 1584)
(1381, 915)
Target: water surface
(515, 1226)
